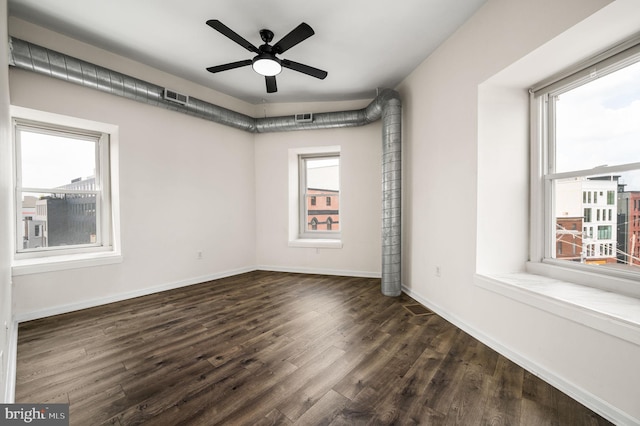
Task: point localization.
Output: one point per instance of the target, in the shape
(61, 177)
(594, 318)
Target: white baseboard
(12, 354)
(63, 309)
(584, 397)
(338, 272)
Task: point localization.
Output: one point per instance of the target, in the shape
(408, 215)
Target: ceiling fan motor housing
(266, 35)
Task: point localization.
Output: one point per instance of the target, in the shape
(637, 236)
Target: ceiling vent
(306, 117)
(176, 97)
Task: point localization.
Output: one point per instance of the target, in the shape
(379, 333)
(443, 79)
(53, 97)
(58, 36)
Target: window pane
(51, 161)
(323, 173)
(597, 123)
(55, 220)
(322, 192)
(603, 230)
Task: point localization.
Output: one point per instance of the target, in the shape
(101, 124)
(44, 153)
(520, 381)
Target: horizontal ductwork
(45, 61)
(386, 105)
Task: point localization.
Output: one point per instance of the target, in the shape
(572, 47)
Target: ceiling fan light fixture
(266, 65)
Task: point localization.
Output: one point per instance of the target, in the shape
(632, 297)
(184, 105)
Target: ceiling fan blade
(306, 69)
(271, 84)
(229, 33)
(298, 34)
(229, 66)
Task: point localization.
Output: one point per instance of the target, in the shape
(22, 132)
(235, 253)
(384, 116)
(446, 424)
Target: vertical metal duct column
(391, 197)
(387, 105)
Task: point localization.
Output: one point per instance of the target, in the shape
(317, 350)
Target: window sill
(64, 262)
(615, 314)
(316, 243)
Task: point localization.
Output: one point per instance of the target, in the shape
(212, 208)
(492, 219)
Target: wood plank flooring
(267, 348)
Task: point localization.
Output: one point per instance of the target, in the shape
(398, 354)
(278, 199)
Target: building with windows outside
(629, 227)
(61, 219)
(323, 210)
(31, 229)
(586, 219)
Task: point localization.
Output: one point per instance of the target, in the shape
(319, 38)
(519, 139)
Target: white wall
(5, 214)
(186, 185)
(466, 141)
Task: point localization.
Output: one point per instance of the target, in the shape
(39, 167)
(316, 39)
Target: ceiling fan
(266, 62)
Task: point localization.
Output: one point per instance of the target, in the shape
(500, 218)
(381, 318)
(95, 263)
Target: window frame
(106, 249)
(542, 229)
(294, 238)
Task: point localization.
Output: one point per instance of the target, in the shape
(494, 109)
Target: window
(586, 133)
(64, 171)
(604, 232)
(319, 179)
(305, 178)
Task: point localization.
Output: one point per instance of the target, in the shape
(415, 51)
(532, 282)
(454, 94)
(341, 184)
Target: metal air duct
(45, 61)
(386, 105)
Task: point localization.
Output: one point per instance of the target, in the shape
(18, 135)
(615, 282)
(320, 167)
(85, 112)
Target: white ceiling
(362, 44)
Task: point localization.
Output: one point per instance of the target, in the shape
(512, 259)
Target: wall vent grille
(305, 117)
(176, 97)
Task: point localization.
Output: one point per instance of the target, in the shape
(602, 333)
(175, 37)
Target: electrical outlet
(199, 255)
(438, 271)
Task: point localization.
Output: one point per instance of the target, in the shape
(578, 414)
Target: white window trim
(295, 239)
(611, 313)
(33, 263)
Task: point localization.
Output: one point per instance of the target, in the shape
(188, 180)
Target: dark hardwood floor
(277, 348)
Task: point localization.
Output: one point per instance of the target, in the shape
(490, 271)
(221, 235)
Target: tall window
(319, 180)
(63, 189)
(588, 136)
